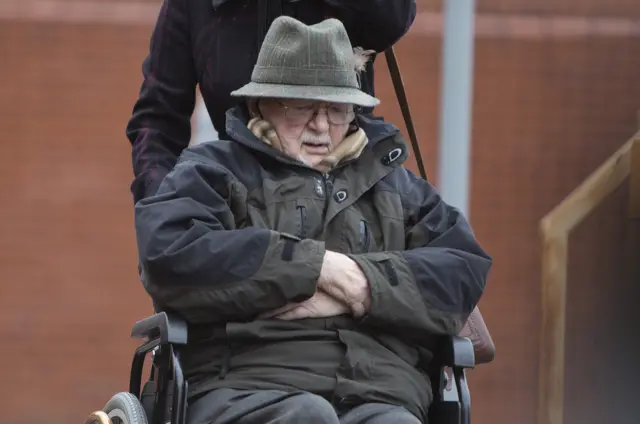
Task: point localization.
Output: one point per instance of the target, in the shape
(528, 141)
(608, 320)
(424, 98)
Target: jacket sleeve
(374, 24)
(432, 286)
(160, 126)
(198, 262)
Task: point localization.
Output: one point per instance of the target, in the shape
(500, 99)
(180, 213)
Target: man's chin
(312, 160)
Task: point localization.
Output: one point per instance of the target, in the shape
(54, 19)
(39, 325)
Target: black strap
(398, 85)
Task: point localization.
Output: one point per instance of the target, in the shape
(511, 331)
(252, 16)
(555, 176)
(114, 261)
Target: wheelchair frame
(165, 393)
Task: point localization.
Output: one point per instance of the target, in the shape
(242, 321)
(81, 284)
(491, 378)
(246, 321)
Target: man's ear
(254, 110)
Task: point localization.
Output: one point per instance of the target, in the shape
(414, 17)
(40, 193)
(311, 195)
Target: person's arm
(374, 24)
(432, 286)
(196, 262)
(160, 127)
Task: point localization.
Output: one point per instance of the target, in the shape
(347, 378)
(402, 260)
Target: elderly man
(314, 270)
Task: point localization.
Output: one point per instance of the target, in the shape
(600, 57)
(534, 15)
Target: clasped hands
(342, 289)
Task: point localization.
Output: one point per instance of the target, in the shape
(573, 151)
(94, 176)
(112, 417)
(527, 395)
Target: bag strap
(475, 328)
(398, 85)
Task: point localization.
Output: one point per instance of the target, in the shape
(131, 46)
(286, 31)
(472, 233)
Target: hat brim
(303, 92)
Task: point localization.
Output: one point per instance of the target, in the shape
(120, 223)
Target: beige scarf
(350, 148)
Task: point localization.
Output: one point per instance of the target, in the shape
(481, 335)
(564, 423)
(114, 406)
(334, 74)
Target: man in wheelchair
(314, 271)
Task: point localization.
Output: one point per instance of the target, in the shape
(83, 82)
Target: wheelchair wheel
(122, 408)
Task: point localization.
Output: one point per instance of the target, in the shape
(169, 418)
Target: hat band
(301, 76)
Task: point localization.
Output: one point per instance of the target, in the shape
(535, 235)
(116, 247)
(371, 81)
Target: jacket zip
(328, 188)
(364, 236)
(302, 233)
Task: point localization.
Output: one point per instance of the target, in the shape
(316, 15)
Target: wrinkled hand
(342, 278)
(320, 305)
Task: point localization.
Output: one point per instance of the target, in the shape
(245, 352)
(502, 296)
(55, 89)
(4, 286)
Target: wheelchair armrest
(162, 331)
(457, 352)
(452, 400)
(167, 328)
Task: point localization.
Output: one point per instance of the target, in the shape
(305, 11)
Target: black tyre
(125, 408)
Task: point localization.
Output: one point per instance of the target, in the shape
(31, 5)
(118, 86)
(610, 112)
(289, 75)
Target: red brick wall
(547, 111)
(69, 291)
(546, 114)
(609, 8)
(599, 8)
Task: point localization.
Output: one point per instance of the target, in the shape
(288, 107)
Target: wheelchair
(163, 399)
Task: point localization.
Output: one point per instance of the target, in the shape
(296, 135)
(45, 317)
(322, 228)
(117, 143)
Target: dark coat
(238, 228)
(215, 44)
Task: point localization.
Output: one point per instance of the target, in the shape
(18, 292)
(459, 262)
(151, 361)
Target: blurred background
(556, 92)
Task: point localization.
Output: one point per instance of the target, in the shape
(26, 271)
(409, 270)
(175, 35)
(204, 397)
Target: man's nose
(320, 121)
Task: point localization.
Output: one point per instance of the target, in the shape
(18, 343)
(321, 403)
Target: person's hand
(342, 278)
(320, 305)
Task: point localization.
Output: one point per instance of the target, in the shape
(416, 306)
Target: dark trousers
(226, 406)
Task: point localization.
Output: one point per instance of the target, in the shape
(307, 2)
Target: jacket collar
(385, 139)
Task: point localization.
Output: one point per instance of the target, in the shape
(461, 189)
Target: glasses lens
(299, 112)
(340, 114)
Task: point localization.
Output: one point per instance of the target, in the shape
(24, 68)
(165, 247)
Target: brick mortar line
(512, 26)
(522, 26)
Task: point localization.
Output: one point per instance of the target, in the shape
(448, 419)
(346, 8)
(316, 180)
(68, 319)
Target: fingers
(330, 267)
(321, 305)
(284, 309)
(338, 292)
(294, 314)
(358, 310)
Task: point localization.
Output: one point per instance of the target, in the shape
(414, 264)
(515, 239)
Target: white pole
(456, 102)
(201, 127)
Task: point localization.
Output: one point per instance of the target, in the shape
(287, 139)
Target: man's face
(308, 130)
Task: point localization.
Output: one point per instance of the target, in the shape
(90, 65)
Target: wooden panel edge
(551, 359)
(634, 180)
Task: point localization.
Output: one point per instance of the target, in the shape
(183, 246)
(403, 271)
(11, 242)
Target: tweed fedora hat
(308, 62)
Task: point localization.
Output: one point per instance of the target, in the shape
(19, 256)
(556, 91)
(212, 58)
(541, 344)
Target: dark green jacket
(237, 228)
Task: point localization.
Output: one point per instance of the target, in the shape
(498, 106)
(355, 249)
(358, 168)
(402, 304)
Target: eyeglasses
(300, 113)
